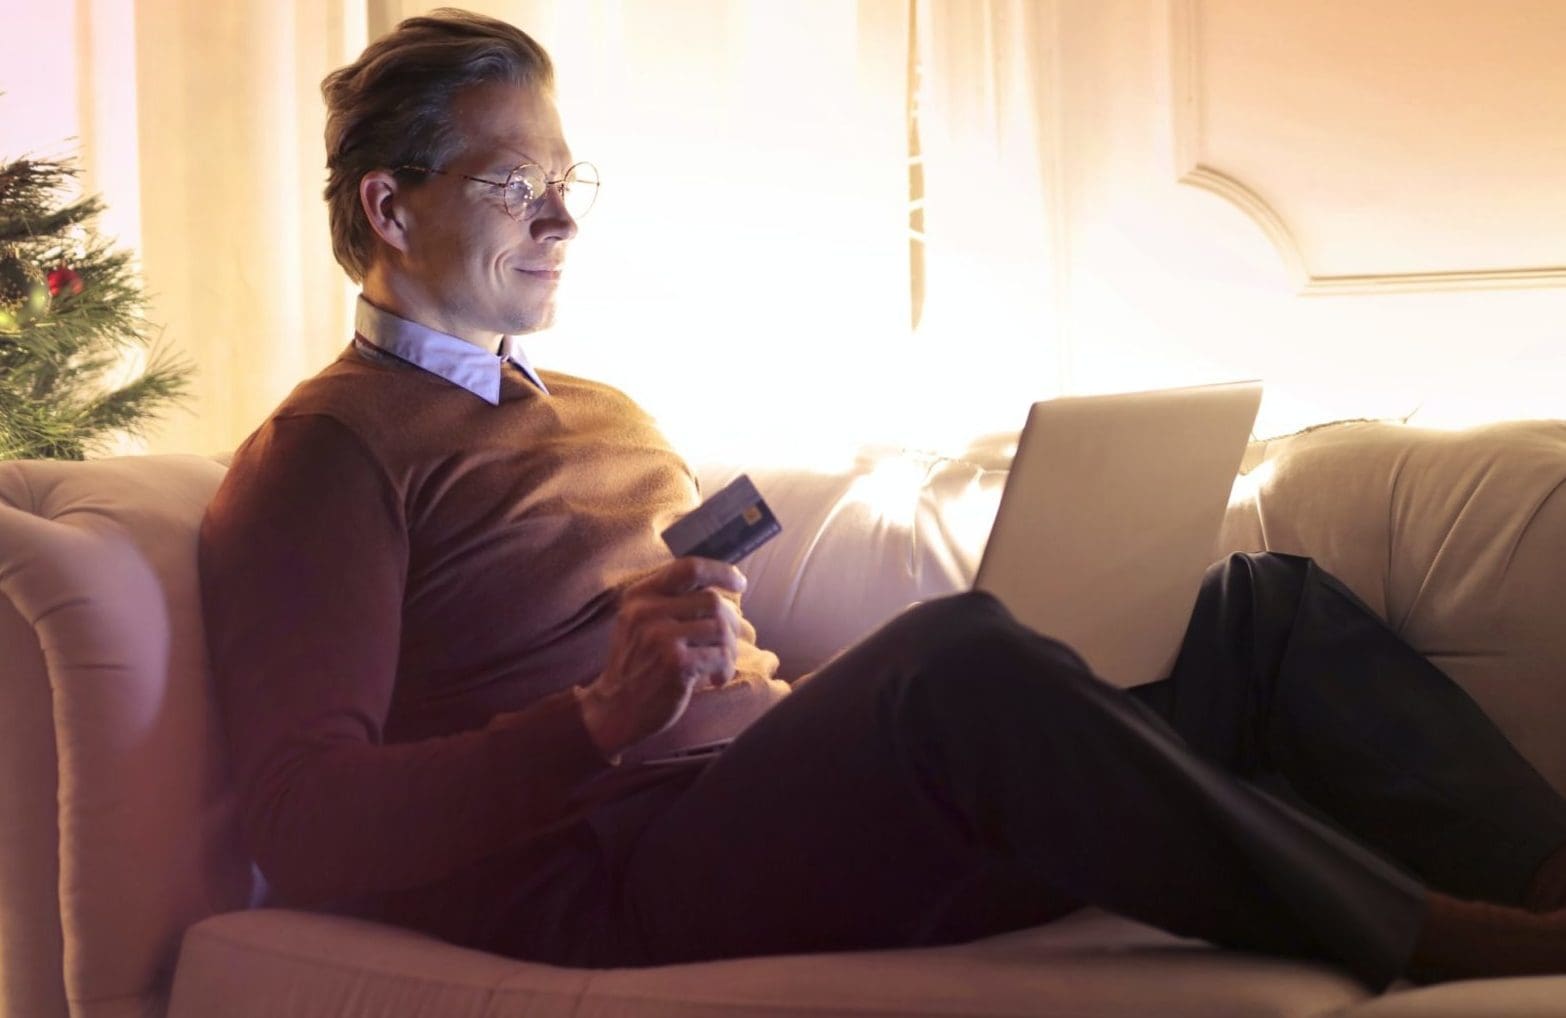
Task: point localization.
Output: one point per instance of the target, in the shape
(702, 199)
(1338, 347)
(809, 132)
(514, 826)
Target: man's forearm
(342, 819)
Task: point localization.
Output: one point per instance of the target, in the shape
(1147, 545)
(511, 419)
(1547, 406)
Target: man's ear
(380, 195)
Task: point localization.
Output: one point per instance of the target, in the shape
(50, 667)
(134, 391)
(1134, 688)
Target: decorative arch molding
(1192, 169)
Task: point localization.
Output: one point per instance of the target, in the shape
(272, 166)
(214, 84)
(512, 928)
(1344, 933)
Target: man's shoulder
(364, 394)
(353, 396)
(568, 386)
(353, 383)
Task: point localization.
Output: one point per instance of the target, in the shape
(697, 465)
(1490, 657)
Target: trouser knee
(1257, 567)
(974, 659)
(959, 632)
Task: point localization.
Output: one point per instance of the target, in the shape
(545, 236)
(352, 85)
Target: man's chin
(534, 321)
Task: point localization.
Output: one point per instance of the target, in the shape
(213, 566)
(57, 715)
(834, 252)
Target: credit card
(728, 526)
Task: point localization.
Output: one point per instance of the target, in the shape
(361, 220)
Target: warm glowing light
(968, 516)
(890, 490)
(1248, 486)
(1528, 386)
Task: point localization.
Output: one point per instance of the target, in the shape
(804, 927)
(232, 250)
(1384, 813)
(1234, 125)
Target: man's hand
(675, 628)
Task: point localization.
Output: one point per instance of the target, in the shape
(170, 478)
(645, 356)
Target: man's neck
(406, 299)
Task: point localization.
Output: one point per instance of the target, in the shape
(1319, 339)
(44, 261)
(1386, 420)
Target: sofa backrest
(118, 818)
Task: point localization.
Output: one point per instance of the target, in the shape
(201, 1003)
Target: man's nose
(552, 221)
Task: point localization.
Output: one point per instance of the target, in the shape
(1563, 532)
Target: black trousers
(956, 774)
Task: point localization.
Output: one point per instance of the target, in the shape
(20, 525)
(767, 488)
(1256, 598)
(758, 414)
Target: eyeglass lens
(525, 189)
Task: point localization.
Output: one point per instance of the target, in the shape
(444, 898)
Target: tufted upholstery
(861, 543)
(116, 827)
(1456, 538)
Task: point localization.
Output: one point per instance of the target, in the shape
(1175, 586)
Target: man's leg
(958, 774)
(1284, 669)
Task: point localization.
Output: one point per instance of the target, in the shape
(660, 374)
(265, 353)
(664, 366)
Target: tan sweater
(401, 584)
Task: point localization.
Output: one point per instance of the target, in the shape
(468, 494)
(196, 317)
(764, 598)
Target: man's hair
(392, 107)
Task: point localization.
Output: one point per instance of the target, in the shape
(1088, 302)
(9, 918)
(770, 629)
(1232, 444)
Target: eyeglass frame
(533, 204)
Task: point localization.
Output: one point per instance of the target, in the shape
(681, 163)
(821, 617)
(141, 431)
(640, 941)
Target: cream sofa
(123, 891)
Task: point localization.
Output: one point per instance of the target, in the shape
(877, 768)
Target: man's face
(477, 272)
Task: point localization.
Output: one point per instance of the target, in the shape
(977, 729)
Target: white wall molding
(1193, 168)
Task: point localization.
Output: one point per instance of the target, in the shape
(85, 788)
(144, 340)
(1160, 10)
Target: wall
(1396, 137)
(69, 90)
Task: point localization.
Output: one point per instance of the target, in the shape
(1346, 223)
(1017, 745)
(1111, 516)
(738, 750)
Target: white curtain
(234, 238)
(995, 246)
(200, 125)
(746, 272)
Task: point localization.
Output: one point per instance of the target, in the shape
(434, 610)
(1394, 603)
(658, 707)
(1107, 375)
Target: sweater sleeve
(303, 561)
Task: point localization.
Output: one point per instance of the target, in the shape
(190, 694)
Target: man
(440, 621)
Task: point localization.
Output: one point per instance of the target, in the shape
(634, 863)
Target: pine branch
(23, 230)
(34, 431)
(58, 356)
(109, 308)
(129, 408)
(29, 191)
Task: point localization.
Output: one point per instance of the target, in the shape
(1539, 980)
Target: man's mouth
(549, 274)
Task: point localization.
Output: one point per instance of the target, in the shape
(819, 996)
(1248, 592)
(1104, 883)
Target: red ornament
(64, 278)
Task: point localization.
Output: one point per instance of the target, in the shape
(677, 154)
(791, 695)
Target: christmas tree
(71, 315)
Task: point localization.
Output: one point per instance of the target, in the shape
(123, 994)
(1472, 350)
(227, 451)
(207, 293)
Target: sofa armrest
(97, 565)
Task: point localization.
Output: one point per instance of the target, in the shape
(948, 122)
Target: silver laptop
(1110, 516)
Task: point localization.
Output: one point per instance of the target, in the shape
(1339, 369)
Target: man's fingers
(706, 603)
(709, 572)
(671, 639)
(677, 629)
(716, 664)
(702, 633)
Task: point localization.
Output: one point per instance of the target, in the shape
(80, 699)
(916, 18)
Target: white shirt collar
(456, 360)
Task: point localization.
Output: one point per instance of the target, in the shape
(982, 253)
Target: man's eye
(520, 190)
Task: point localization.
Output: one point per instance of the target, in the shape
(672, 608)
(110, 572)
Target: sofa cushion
(278, 963)
(100, 564)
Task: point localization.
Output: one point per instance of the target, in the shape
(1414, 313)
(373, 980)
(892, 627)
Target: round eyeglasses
(527, 186)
